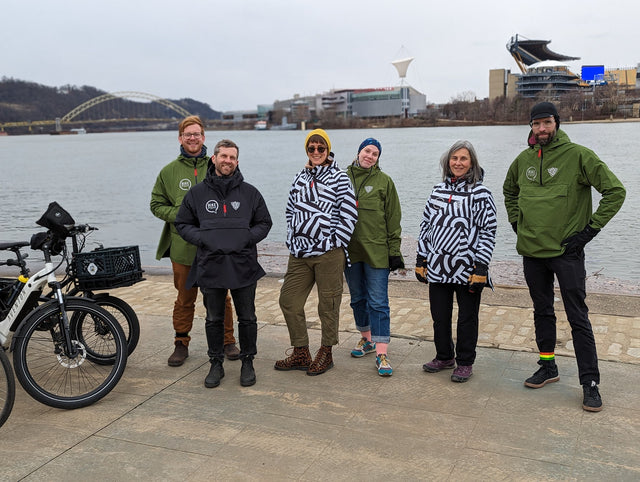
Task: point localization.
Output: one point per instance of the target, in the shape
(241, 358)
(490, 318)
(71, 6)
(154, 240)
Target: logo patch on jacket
(235, 205)
(212, 206)
(552, 171)
(532, 173)
(368, 188)
(185, 184)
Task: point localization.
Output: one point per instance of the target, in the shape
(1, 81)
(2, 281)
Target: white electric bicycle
(68, 352)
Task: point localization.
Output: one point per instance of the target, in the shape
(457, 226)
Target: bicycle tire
(7, 387)
(49, 375)
(126, 316)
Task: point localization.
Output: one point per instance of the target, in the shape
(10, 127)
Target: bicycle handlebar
(82, 228)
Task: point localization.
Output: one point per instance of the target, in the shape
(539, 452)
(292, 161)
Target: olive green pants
(326, 272)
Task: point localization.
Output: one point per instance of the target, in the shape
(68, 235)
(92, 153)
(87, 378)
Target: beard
(543, 141)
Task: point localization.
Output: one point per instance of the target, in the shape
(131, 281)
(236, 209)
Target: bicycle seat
(13, 245)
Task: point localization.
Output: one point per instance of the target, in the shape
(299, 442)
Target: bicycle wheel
(60, 379)
(121, 311)
(7, 387)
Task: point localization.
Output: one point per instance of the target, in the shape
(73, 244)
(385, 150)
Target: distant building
(403, 101)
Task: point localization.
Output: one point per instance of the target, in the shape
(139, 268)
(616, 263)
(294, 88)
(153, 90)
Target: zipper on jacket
(195, 169)
(541, 161)
(224, 208)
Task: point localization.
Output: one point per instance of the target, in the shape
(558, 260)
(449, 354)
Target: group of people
(347, 223)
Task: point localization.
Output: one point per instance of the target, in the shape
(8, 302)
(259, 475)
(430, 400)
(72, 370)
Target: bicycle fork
(65, 344)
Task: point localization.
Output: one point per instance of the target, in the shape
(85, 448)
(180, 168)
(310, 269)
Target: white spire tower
(401, 65)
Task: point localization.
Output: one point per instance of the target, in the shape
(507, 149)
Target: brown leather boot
(231, 351)
(300, 359)
(179, 355)
(322, 362)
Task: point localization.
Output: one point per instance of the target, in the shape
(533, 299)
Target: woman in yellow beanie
(321, 215)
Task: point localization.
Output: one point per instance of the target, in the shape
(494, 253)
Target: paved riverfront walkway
(160, 423)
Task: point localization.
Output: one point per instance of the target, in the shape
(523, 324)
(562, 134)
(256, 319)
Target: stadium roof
(527, 52)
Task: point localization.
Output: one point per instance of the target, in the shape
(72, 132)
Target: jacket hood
(203, 153)
(329, 164)
(223, 184)
(465, 179)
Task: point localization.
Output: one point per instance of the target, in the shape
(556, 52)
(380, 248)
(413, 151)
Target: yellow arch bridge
(74, 116)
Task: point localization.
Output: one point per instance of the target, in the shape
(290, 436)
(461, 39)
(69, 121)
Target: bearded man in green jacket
(547, 193)
(173, 182)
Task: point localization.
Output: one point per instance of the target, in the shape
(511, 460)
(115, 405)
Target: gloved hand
(421, 269)
(577, 242)
(514, 226)
(478, 278)
(395, 262)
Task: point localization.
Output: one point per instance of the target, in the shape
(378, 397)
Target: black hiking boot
(216, 373)
(247, 373)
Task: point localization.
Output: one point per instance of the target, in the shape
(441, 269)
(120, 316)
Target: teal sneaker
(362, 348)
(383, 365)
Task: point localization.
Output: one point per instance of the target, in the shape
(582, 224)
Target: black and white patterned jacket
(458, 229)
(321, 211)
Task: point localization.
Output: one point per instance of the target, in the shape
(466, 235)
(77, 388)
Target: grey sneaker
(592, 401)
(436, 365)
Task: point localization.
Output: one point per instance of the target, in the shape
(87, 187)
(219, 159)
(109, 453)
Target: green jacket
(377, 232)
(173, 182)
(547, 191)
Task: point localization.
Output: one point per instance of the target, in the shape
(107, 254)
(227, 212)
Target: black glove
(395, 262)
(421, 269)
(577, 242)
(514, 226)
(478, 278)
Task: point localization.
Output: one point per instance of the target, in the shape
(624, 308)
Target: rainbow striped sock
(547, 356)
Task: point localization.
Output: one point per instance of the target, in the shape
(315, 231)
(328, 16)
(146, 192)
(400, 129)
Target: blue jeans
(244, 302)
(370, 300)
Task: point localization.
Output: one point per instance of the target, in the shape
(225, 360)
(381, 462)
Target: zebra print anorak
(458, 229)
(321, 211)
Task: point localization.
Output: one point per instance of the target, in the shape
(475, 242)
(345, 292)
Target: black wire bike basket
(107, 268)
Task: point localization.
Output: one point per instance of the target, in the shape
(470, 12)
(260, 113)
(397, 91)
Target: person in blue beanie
(374, 251)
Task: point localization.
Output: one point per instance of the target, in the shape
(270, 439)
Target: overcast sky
(236, 54)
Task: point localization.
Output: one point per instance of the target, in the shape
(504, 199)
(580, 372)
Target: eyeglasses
(547, 123)
(312, 149)
(191, 135)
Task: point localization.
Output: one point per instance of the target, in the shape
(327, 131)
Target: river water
(106, 179)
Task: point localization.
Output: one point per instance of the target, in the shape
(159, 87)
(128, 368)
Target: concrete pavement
(160, 423)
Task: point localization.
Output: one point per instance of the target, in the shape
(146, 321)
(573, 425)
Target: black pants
(441, 301)
(571, 275)
(244, 303)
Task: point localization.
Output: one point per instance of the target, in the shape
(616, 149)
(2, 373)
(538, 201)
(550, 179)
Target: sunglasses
(312, 149)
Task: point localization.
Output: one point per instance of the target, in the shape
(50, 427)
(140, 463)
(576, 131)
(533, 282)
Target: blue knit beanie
(370, 141)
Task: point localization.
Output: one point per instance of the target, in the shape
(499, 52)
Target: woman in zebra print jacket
(321, 216)
(457, 237)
